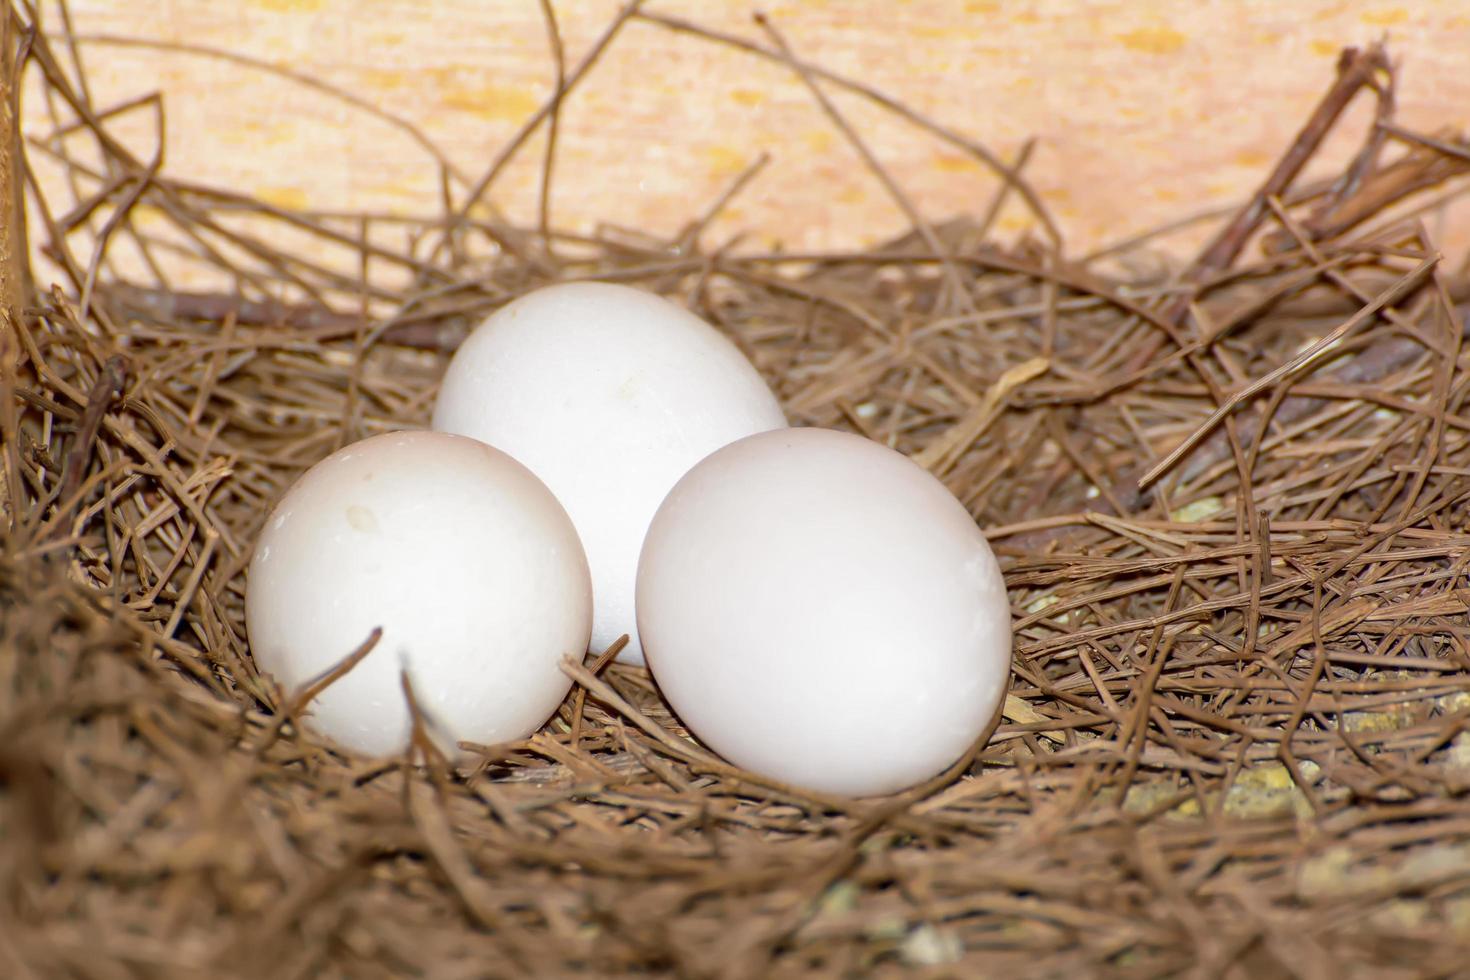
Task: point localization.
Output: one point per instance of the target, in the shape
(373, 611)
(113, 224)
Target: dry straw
(1235, 740)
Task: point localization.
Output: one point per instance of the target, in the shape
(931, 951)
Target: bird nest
(1230, 500)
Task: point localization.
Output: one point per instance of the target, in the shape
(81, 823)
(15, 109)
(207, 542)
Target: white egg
(466, 561)
(819, 609)
(609, 394)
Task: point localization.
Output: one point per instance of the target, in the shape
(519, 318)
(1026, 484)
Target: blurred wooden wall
(1144, 109)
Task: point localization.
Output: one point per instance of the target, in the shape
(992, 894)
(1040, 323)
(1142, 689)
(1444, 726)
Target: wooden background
(1145, 110)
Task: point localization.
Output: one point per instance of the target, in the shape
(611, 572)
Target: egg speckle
(608, 394)
(464, 559)
(820, 609)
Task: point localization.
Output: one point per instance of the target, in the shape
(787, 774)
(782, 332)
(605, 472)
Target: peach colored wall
(1145, 109)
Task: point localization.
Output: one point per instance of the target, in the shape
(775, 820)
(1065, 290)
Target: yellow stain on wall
(384, 80)
(1154, 40)
(747, 96)
(148, 216)
(956, 163)
(286, 198)
(1327, 49)
(726, 161)
(819, 140)
(407, 189)
(255, 133)
(1386, 17)
(492, 101)
(942, 32)
(289, 6)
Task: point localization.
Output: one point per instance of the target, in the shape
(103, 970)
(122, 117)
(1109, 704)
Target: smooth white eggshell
(466, 561)
(609, 394)
(819, 609)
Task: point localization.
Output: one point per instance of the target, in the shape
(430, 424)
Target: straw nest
(1234, 740)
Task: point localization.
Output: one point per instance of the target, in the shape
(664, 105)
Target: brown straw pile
(1235, 742)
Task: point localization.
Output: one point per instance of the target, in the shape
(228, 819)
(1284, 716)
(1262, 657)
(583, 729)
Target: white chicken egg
(609, 394)
(466, 561)
(819, 609)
